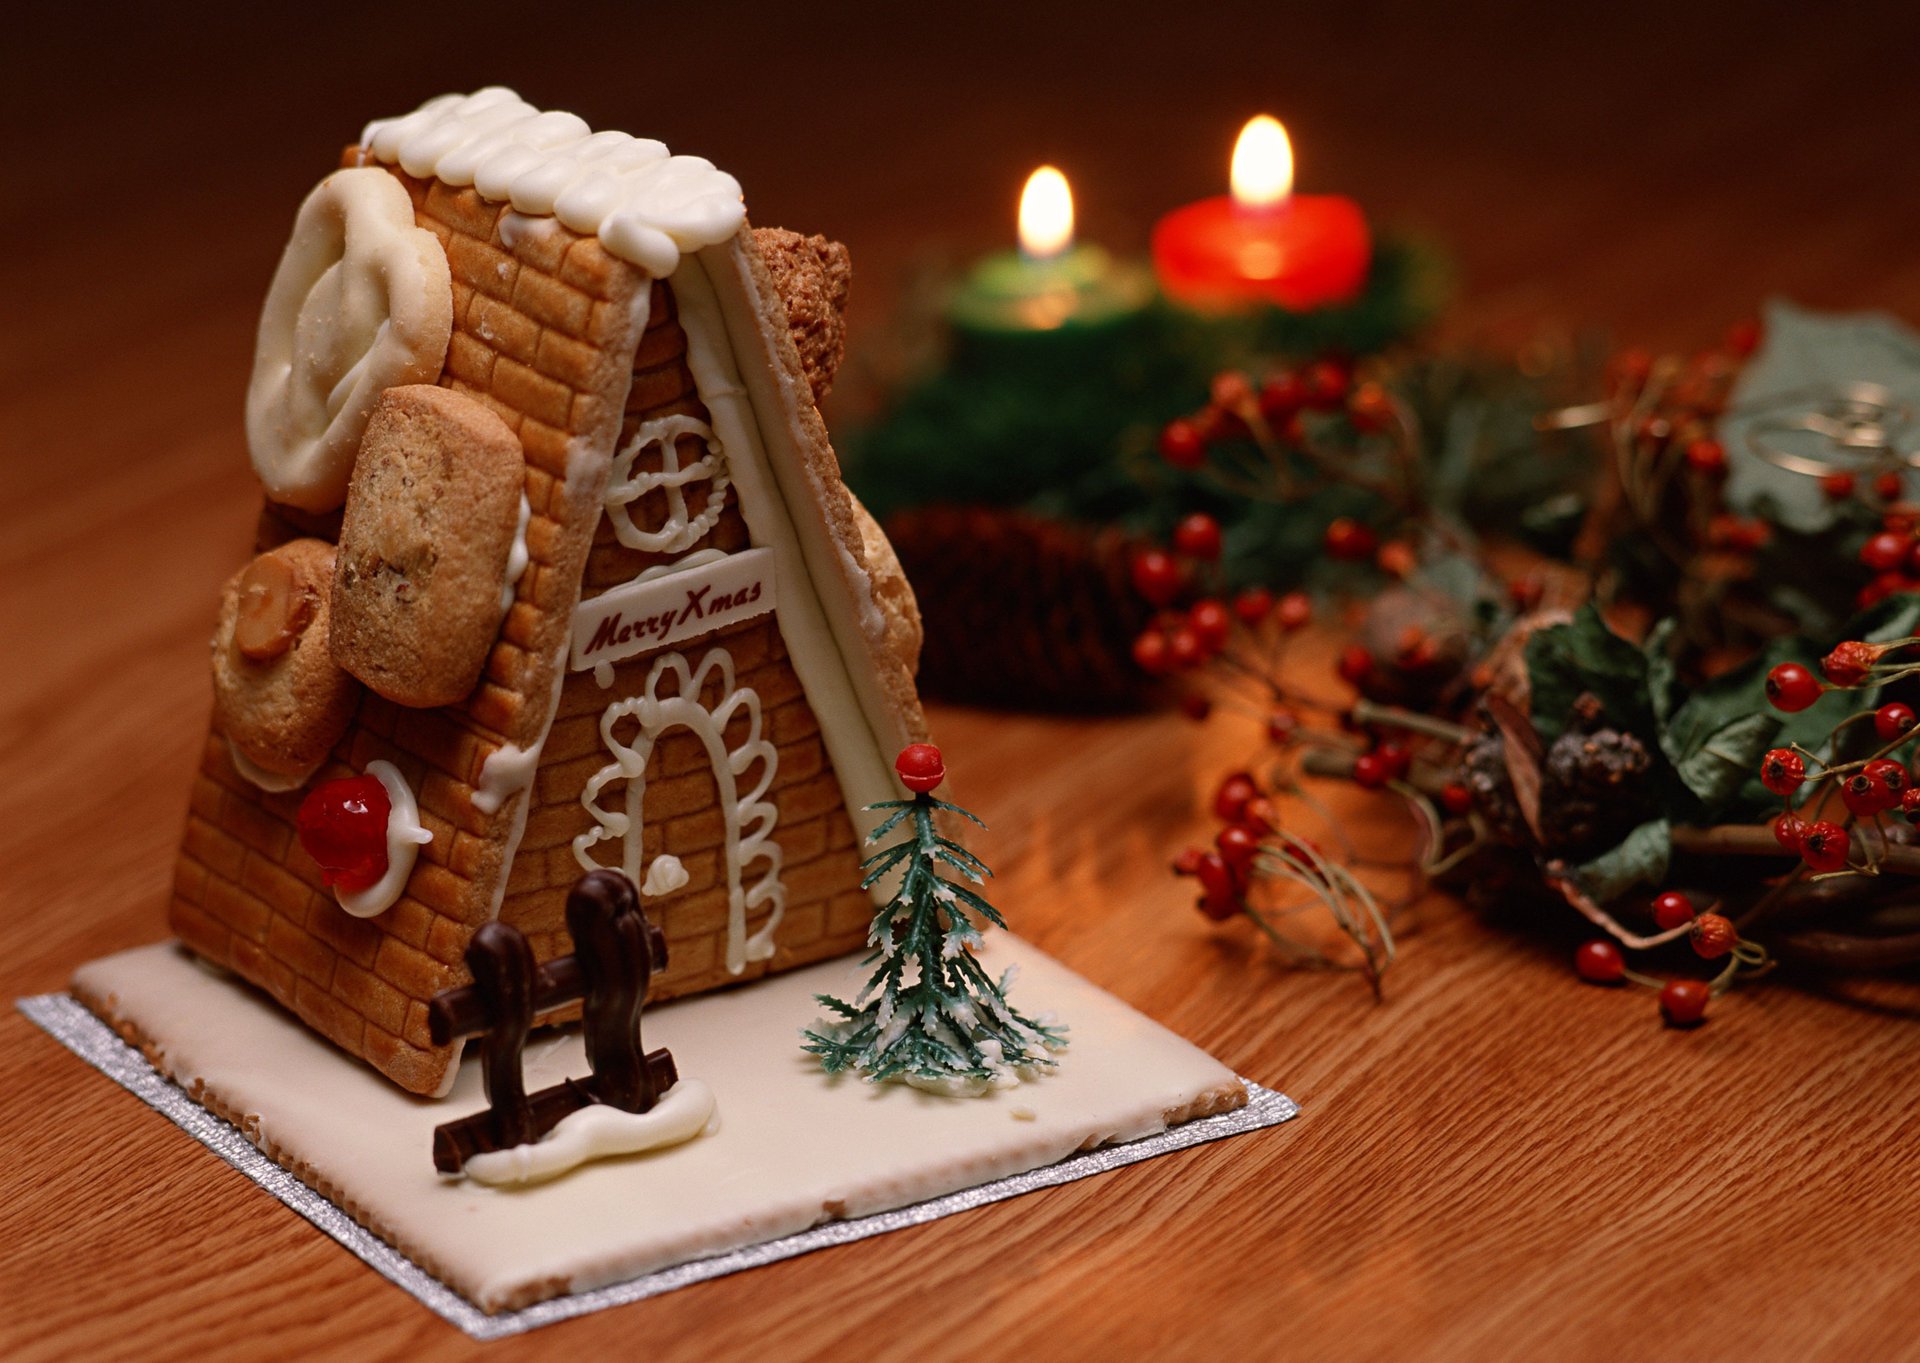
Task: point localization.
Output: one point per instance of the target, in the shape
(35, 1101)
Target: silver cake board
(71, 1024)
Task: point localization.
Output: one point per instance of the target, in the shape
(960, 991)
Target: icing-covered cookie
(432, 519)
(362, 301)
(278, 696)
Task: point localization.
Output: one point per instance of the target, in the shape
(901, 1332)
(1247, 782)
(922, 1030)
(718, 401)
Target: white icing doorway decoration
(672, 697)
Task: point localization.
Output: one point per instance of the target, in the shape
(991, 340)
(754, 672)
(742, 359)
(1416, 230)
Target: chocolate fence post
(618, 950)
(502, 966)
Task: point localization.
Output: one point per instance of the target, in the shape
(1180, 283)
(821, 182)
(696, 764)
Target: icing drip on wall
(749, 817)
(405, 838)
(677, 531)
(646, 206)
(517, 556)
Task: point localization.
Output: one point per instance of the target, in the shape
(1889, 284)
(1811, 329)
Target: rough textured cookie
(278, 695)
(433, 514)
(813, 276)
(891, 592)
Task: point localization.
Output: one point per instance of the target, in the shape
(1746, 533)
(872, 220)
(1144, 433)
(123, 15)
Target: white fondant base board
(792, 1149)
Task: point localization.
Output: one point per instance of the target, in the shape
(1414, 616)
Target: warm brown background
(1494, 1163)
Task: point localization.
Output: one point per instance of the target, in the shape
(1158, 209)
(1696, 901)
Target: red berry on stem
(1282, 727)
(1349, 540)
(1253, 605)
(1910, 804)
(1185, 648)
(1156, 576)
(1237, 844)
(1294, 611)
(1371, 771)
(1788, 830)
(1396, 559)
(1356, 665)
(1893, 720)
(1198, 536)
(1182, 444)
(1230, 390)
(1260, 815)
(1600, 962)
(1188, 862)
(1151, 654)
(1282, 395)
(1326, 384)
(1672, 910)
(1526, 592)
(1825, 846)
(1783, 771)
(1713, 936)
(1209, 620)
(920, 767)
(1397, 759)
(1885, 551)
(1707, 458)
(1230, 797)
(1850, 663)
(342, 824)
(1792, 688)
(1195, 706)
(1370, 408)
(1888, 487)
(1838, 486)
(1684, 1002)
(1456, 799)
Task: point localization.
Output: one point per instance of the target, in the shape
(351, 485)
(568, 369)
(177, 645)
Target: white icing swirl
(646, 206)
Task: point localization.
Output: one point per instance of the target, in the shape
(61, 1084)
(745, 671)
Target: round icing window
(362, 302)
(668, 485)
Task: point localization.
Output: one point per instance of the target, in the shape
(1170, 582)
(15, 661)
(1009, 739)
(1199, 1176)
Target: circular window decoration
(362, 302)
(658, 488)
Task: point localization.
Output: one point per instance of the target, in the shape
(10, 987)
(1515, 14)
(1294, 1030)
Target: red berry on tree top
(1600, 962)
(1783, 771)
(1792, 688)
(1156, 576)
(1672, 910)
(1713, 936)
(1893, 720)
(1182, 444)
(1684, 1002)
(920, 767)
(1850, 663)
(1825, 846)
(342, 824)
(1198, 536)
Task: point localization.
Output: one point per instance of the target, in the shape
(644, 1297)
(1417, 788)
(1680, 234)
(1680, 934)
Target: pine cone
(1483, 771)
(1022, 612)
(1593, 787)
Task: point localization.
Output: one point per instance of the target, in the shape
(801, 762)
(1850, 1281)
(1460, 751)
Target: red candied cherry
(1707, 458)
(1198, 536)
(1600, 962)
(1253, 605)
(1713, 936)
(1743, 338)
(920, 767)
(1182, 444)
(1684, 1002)
(1195, 706)
(1396, 559)
(1185, 648)
(1792, 688)
(1371, 771)
(1850, 663)
(1209, 620)
(1151, 654)
(342, 824)
(1326, 384)
(1370, 408)
(1295, 611)
(1456, 799)
(1789, 829)
(1839, 486)
(1526, 592)
(1282, 726)
(1893, 720)
(1282, 395)
(1888, 487)
(1783, 771)
(1238, 845)
(1355, 666)
(1230, 797)
(1825, 846)
(1672, 910)
(1156, 576)
(1885, 551)
(1348, 540)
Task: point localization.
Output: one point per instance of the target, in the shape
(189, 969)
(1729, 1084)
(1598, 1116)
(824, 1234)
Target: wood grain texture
(1492, 1163)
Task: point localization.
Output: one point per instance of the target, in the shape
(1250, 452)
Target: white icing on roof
(646, 206)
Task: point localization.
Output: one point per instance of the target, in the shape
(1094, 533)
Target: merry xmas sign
(679, 605)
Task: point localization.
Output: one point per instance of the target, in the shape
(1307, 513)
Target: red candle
(1263, 244)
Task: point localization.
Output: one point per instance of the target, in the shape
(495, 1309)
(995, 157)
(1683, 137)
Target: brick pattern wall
(826, 911)
(542, 333)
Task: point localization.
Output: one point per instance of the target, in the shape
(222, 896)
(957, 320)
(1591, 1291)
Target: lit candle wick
(1046, 215)
(1262, 169)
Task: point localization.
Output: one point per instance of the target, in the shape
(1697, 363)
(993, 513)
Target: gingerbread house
(556, 550)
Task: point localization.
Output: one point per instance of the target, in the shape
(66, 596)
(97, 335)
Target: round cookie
(278, 696)
(432, 517)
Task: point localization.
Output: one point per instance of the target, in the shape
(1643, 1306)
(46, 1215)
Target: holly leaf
(1726, 759)
(1640, 859)
(1584, 655)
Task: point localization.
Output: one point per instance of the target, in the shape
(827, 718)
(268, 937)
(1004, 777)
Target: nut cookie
(278, 695)
(432, 515)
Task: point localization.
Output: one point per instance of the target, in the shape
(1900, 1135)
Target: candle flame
(1262, 174)
(1046, 214)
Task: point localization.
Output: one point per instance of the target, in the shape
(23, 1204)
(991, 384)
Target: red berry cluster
(1237, 409)
(1682, 1002)
(1892, 553)
(1246, 818)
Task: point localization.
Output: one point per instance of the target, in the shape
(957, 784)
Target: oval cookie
(433, 513)
(278, 695)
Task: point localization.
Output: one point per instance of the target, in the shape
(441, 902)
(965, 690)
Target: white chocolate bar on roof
(646, 206)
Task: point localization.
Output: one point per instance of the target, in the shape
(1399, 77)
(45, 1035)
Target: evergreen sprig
(930, 1015)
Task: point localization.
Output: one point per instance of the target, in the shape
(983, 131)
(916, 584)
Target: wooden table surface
(1493, 1162)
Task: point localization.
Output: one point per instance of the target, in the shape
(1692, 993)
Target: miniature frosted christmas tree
(930, 1015)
